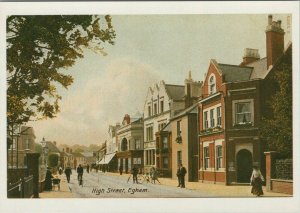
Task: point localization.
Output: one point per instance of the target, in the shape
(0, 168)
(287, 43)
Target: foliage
(278, 128)
(39, 49)
(52, 160)
(38, 148)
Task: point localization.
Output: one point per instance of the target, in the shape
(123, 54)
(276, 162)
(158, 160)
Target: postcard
(150, 106)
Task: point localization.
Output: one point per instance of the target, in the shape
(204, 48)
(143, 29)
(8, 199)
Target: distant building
(130, 139)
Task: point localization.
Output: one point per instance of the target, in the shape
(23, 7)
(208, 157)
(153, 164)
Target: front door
(244, 166)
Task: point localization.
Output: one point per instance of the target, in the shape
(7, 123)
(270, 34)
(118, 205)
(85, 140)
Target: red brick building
(230, 113)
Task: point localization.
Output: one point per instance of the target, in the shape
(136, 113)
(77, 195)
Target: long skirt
(257, 187)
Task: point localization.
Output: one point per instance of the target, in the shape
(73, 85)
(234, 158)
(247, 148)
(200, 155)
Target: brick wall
(282, 186)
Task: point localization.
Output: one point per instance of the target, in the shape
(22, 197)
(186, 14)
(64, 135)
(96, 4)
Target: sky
(148, 49)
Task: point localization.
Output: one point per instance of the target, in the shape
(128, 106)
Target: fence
(21, 189)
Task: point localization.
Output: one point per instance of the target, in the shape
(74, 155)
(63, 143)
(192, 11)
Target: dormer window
(212, 84)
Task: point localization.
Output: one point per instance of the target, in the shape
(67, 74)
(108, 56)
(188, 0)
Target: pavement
(64, 191)
(217, 190)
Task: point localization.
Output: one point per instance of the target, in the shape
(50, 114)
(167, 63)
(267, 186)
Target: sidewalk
(64, 191)
(217, 190)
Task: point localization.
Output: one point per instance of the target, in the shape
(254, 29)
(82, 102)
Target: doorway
(244, 166)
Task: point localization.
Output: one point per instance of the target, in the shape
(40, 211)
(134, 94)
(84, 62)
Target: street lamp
(45, 151)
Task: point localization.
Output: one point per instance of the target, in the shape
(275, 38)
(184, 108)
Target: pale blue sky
(148, 48)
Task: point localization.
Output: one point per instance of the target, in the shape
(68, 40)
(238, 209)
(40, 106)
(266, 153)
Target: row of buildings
(211, 127)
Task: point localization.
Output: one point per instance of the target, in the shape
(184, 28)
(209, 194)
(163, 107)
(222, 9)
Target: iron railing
(21, 189)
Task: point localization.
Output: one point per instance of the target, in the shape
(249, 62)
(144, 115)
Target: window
(27, 144)
(242, 113)
(212, 85)
(165, 162)
(161, 106)
(219, 120)
(165, 142)
(212, 120)
(219, 157)
(205, 120)
(179, 157)
(206, 157)
(178, 128)
(155, 109)
(149, 111)
(137, 161)
(161, 126)
(149, 133)
(137, 144)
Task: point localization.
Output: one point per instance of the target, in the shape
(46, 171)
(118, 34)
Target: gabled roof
(191, 109)
(234, 73)
(52, 147)
(175, 92)
(77, 154)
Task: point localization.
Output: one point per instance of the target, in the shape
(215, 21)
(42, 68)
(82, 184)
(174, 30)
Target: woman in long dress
(256, 181)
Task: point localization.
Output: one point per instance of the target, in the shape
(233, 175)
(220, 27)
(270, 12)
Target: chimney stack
(250, 55)
(67, 150)
(274, 40)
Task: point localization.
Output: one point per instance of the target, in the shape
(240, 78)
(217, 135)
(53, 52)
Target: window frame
(206, 157)
(219, 116)
(234, 111)
(212, 84)
(219, 157)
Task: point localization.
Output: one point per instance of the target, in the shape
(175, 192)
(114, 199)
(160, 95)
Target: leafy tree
(52, 160)
(277, 129)
(39, 49)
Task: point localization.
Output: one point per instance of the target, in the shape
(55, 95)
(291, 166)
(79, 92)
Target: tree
(277, 129)
(39, 50)
(53, 160)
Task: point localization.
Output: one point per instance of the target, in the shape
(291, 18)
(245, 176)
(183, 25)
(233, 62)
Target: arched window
(212, 84)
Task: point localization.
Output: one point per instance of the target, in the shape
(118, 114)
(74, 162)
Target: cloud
(100, 101)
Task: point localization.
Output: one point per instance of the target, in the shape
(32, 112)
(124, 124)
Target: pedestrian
(256, 182)
(79, 172)
(88, 168)
(178, 174)
(134, 173)
(60, 170)
(48, 180)
(68, 172)
(182, 174)
(154, 175)
(121, 169)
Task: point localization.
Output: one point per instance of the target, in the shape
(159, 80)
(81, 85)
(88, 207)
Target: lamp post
(45, 151)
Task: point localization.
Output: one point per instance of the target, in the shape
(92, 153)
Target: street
(98, 185)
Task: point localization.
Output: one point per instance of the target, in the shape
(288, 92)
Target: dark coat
(68, 171)
(178, 173)
(183, 171)
(79, 170)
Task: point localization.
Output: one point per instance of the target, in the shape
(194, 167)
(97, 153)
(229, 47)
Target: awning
(107, 158)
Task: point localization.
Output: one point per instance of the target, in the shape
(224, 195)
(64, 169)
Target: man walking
(182, 174)
(79, 171)
(68, 172)
(134, 174)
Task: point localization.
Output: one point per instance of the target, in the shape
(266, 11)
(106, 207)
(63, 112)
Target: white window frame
(205, 119)
(219, 116)
(206, 159)
(212, 90)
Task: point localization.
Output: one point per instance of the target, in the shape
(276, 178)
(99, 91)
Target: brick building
(230, 113)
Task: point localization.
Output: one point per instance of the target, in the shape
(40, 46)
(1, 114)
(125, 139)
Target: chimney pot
(270, 17)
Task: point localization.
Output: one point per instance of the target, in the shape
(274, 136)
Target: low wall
(282, 186)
